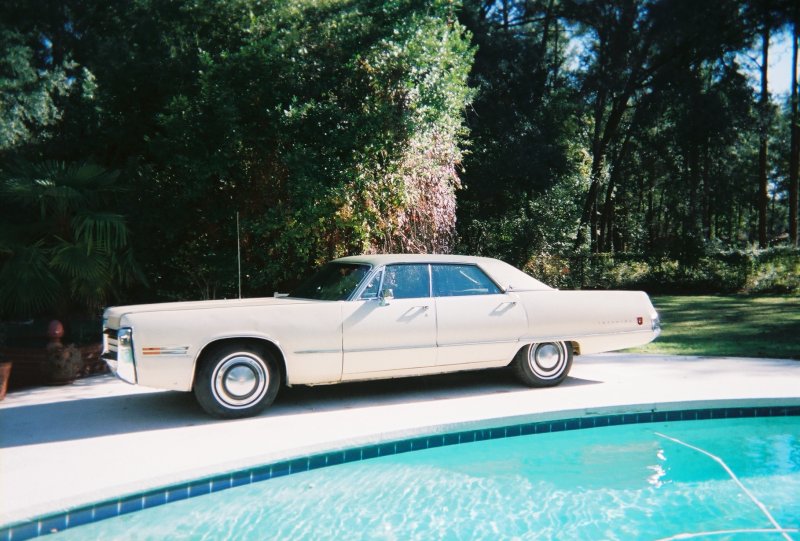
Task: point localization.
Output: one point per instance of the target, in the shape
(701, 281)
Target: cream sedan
(371, 317)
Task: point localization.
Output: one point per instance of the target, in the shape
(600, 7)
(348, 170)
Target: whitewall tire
(236, 380)
(543, 364)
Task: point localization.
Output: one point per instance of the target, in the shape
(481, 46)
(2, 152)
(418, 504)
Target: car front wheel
(544, 364)
(236, 380)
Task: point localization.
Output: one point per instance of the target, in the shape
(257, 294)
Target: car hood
(113, 315)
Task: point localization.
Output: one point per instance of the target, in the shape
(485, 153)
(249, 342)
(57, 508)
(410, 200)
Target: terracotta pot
(5, 375)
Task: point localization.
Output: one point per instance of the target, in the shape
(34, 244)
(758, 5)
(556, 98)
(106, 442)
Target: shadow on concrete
(97, 417)
(77, 418)
(403, 390)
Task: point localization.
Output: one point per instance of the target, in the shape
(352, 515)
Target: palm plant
(60, 250)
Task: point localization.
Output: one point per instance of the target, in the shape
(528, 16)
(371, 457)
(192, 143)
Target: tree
(526, 157)
(794, 161)
(629, 45)
(696, 150)
(61, 253)
(34, 81)
(764, 109)
(331, 129)
(535, 126)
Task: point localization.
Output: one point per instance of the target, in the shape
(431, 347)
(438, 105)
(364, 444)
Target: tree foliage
(655, 114)
(60, 250)
(538, 131)
(331, 128)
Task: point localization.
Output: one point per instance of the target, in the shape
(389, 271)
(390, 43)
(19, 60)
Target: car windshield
(333, 282)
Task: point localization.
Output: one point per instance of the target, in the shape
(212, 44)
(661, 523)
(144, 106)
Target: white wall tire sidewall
(222, 376)
(547, 360)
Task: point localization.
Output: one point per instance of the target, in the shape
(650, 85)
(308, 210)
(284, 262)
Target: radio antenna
(239, 254)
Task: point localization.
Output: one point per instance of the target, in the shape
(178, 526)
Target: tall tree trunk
(794, 161)
(598, 160)
(549, 19)
(589, 214)
(762, 144)
(605, 238)
(544, 42)
(556, 64)
(601, 140)
(694, 190)
(708, 209)
(607, 217)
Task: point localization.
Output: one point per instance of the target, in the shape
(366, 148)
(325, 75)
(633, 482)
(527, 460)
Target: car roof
(386, 259)
(505, 275)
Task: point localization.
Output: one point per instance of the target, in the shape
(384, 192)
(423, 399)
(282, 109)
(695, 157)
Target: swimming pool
(655, 480)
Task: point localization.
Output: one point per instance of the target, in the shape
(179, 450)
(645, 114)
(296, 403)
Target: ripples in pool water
(624, 482)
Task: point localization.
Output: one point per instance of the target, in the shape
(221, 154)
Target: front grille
(110, 344)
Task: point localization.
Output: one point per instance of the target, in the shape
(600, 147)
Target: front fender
(168, 344)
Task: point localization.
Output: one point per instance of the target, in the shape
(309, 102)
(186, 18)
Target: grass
(739, 326)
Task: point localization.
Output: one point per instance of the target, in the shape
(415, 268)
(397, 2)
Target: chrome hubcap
(547, 360)
(240, 380)
(547, 356)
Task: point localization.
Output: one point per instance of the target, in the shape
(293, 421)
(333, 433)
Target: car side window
(407, 281)
(372, 288)
(461, 280)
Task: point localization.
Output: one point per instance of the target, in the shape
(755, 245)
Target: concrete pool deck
(99, 438)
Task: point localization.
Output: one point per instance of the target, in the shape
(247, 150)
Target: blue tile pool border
(115, 507)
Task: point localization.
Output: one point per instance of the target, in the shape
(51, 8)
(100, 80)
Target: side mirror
(386, 296)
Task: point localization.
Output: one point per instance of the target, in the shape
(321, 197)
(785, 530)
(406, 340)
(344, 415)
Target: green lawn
(741, 326)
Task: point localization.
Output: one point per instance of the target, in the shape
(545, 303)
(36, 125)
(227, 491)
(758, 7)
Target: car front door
(392, 326)
(477, 322)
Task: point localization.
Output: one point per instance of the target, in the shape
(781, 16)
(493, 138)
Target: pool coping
(417, 440)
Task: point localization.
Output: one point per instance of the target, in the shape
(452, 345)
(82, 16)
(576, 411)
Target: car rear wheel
(544, 364)
(236, 380)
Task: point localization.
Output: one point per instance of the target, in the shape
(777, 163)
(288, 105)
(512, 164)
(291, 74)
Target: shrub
(776, 270)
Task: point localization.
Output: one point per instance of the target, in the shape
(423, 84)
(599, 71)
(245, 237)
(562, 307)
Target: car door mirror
(386, 296)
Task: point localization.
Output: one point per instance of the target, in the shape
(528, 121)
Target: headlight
(125, 337)
(655, 321)
(126, 364)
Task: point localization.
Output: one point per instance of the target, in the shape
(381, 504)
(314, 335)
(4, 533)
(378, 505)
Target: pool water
(645, 481)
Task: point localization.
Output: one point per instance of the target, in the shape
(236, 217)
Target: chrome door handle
(503, 308)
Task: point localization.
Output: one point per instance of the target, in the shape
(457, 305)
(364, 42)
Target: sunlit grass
(741, 326)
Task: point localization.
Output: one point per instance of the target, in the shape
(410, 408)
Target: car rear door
(476, 321)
